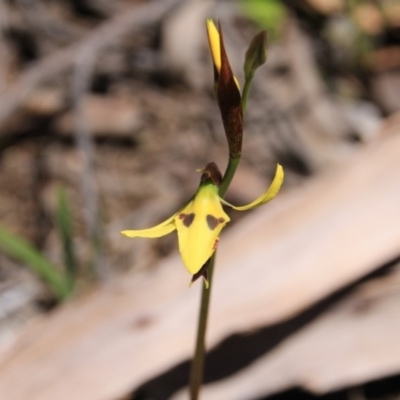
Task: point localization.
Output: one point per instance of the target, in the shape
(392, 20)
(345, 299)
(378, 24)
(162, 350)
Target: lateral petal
(267, 196)
(156, 231)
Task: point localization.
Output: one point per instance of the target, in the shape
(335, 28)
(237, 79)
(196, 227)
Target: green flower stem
(228, 176)
(245, 93)
(197, 369)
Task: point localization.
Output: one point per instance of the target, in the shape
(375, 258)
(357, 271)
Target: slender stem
(197, 369)
(245, 93)
(228, 176)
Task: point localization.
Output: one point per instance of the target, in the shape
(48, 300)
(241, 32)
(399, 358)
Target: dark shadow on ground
(238, 351)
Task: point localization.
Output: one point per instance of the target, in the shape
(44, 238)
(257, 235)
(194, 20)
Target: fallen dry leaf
(354, 342)
(272, 265)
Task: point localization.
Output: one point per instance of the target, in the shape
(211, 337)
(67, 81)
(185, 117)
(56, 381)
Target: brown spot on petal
(187, 219)
(213, 222)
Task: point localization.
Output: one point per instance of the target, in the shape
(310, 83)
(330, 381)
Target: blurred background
(106, 112)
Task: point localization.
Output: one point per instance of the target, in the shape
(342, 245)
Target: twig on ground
(84, 63)
(42, 19)
(107, 33)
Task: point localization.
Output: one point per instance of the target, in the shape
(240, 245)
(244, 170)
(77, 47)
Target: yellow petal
(268, 195)
(213, 40)
(199, 225)
(156, 231)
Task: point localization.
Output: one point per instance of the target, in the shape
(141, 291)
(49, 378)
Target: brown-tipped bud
(212, 172)
(256, 54)
(230, 104)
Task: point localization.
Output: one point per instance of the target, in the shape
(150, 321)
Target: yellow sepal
(267, 196)
(199, 225)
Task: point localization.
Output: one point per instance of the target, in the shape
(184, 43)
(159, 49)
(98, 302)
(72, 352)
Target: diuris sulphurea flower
(200, 221)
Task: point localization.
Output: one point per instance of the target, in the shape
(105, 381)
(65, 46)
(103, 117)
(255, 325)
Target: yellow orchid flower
(215, 47)
(200, 222)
